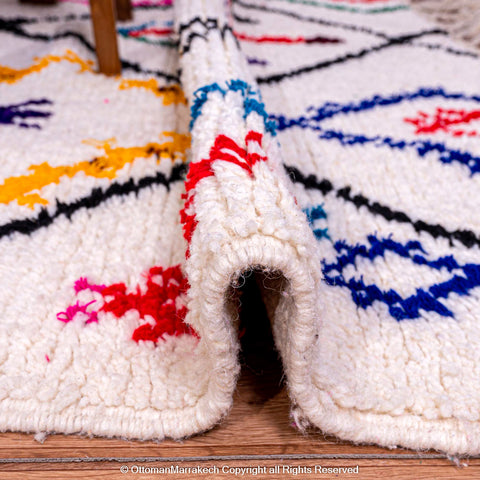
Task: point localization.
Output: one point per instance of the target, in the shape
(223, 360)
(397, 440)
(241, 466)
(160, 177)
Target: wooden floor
(256, 434)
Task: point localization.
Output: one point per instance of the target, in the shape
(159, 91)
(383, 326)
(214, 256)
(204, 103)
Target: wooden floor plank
(262, 469)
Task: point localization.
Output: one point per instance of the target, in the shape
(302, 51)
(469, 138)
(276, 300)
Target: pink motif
(72, 310)
(158, 301)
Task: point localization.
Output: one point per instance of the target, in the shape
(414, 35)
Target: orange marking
(12, 75)
(24, 188)
(170, 94)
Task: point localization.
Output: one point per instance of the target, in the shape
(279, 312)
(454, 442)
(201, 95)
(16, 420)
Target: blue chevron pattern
(464, 278)
(313, 121)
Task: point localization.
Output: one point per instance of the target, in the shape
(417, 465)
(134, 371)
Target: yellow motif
(12, 75)
(170, 94)
(22, 188)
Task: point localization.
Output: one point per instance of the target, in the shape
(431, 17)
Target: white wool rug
(332, 145)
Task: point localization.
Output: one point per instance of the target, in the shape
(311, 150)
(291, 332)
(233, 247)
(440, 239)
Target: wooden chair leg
(103, 19)
(124, 9)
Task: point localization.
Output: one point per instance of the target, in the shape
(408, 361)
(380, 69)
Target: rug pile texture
(333, 146)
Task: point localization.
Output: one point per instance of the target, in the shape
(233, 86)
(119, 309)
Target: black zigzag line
(346, 26)
(392, 42)
(13, 26)
(319, 21)
(15, 29)
(208, 25)
(465, 237)
(71, 17)
(136, 67)
(452, 51)
(96, 197)
(240, 19)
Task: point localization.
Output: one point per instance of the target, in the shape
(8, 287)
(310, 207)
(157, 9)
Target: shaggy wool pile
(331, 145)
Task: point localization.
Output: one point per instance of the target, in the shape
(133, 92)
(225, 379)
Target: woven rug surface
(329, 145)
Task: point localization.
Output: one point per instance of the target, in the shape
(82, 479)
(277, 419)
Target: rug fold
(239, 213)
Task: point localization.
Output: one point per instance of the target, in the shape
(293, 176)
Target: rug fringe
(461, 18)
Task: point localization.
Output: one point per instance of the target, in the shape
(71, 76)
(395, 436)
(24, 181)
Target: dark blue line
(401, 308)
(378, 248)
(256, 61)
(331, 109)
(423, 147)
(16, 114)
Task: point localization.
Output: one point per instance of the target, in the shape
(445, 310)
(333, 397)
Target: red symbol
(455, 122)
(161, 301)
